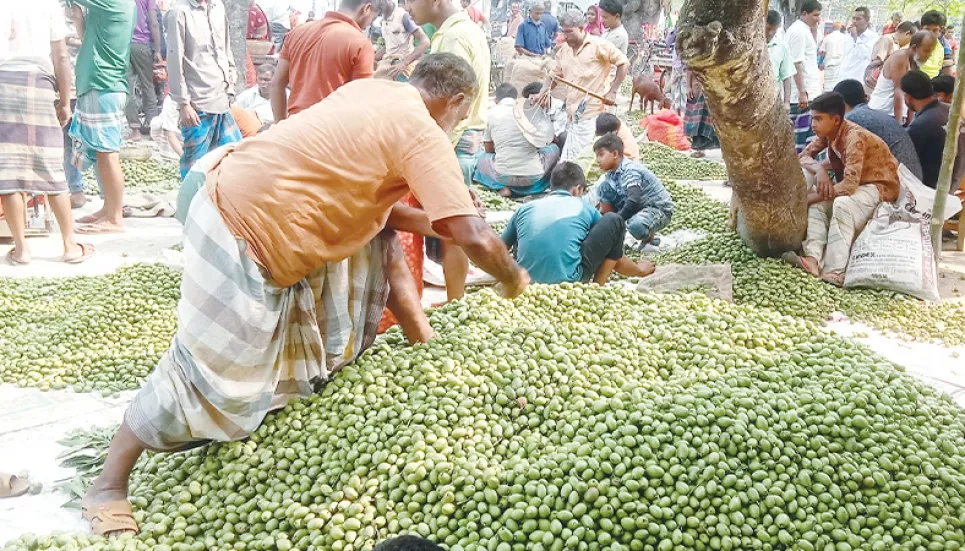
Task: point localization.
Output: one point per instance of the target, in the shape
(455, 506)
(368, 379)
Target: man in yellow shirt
(457, 34)
(940, 61)
(584, 60)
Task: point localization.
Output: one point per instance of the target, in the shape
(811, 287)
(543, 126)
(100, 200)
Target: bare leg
(112, 484)
(60, 205)
(404, 299)
(603, 272)
(13, 212)
(109, 165)
(629, 268)
(455, 268)
(78, 199)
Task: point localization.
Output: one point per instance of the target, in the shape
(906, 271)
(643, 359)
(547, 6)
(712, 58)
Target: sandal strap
(113, 516)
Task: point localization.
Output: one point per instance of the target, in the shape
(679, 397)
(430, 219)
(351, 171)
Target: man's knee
(639, 227)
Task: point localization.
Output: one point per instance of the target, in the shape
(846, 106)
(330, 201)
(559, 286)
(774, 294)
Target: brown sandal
(12, 485)
(110, 518)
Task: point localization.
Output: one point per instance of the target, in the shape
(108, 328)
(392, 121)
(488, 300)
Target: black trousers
(604, 242)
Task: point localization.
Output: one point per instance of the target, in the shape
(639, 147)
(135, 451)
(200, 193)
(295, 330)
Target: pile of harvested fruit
(92, 333)
(670, 164)
(580, 417)
(148, 176)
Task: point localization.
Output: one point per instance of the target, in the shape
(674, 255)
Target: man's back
(515, 155)
(106, 49)
(888, 129)
(833, 46)
(460, 36)
(320, 184)
(549, 234)
(323, 55)
(927, 132)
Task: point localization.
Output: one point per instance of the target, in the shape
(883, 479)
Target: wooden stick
(948, 161)
(585, 91)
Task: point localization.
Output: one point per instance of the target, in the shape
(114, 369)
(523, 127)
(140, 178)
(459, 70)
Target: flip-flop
(12, 485)
(11, 260)
(799, 262)
(99, 228)
(112, 517)
(86, 251)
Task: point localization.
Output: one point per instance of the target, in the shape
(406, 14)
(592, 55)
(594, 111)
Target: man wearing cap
(513, 164)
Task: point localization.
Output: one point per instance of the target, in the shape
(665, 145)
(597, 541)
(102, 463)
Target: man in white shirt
(279, 19)
(858, 43)
(832, 48)
(807, 84)
(257, 98)
(615, 32)
(512, 165)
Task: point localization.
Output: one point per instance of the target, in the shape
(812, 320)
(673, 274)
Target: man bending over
(866, 173)
(562, 238)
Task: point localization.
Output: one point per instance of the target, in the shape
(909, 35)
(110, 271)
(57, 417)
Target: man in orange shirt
(287, 265)
(321, 56)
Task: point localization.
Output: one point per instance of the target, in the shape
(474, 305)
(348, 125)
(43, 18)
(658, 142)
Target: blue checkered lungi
(213, 132)
(97, 127)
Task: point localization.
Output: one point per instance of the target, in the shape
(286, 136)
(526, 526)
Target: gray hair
(572, 18)
(444, 75)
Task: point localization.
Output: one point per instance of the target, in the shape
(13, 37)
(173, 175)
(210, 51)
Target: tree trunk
(638, 13)
(722, 43)
(238, 29)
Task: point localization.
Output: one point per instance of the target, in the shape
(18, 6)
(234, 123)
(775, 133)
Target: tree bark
(238, 29)
(722, 43)
(637, 13)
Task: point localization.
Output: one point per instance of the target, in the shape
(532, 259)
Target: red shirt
(476, 15)
(258, 28)
(323, 55)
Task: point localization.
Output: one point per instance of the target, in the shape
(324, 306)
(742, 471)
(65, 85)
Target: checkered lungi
(31, 139)
(801, 122)
(98, 126)
(246, 346)
(214, 131)
(698, 126)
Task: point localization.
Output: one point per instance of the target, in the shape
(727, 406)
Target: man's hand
(477, 202)
(544, 99)
(802, 100)
(853, 30)
(189, 117)
(514, 290)
(611, 97)
(825, 185)
(395, 70)
(63, 113)
(158, 58)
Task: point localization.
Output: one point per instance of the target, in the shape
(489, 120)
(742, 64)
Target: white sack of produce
(894, 251)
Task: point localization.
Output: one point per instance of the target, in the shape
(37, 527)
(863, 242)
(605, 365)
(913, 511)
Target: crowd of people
(294, 194)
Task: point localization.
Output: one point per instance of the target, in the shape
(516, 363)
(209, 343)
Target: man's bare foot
(77, 199)
(697, 154)
(506, 192)
(18, 258)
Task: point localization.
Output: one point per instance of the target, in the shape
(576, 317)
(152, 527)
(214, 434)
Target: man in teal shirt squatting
(99, 123)
(562, 238)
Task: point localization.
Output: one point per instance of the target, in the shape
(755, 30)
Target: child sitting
(632, 191)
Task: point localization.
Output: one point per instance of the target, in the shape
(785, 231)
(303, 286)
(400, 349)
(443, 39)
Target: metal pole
(948, 159)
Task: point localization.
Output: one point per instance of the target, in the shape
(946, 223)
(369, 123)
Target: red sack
(666, 127)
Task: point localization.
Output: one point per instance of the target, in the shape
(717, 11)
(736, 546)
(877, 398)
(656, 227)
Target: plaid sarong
(31, 139)
(245, 346)
(697, 125)
(213, 131)
(98, 126)
(801, 122)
